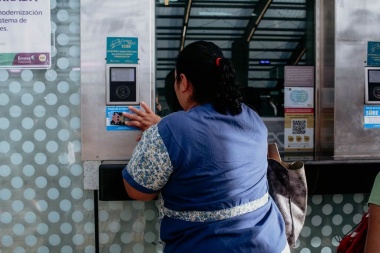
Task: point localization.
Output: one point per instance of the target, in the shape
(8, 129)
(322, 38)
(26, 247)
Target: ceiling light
(166, 1)
(211, 13)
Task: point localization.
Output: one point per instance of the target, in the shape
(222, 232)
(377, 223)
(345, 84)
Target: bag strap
(274, 154)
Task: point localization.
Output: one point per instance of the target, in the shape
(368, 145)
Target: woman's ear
(184, 84)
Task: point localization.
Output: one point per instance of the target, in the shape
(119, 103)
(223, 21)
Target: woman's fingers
(136, 111)
(133, 123)
(140, 119)
(131, 116)
(146, 108)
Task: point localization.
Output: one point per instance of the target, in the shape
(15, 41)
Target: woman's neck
(191, 105)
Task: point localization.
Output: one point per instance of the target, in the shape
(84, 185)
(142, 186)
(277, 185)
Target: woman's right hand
(141, 119)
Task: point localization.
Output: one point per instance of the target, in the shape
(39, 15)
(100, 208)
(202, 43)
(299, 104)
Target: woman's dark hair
(213, 77)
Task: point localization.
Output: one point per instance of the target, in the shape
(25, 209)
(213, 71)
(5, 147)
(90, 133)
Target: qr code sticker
(299, 126)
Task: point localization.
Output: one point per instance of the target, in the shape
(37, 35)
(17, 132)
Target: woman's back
(218, 187)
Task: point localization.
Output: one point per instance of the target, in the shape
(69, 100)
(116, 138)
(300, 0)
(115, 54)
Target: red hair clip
(217, 62)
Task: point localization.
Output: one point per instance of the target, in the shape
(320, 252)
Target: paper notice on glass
(299, 129)
(25, 34)
(299, 97)
(299, 76)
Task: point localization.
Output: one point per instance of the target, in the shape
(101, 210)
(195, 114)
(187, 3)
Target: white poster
(25, 34)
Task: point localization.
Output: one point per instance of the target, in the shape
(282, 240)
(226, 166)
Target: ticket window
(122, 84)
(372, 85)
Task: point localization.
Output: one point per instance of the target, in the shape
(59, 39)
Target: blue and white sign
(122, 50)
(115, 119)
(373, 53)
(371, 116)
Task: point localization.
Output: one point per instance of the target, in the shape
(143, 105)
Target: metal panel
(356, 23)
(324, 77)
(99, 20)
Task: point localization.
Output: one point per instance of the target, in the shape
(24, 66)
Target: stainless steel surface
(324, 77)
(112, 18)
(356, 23)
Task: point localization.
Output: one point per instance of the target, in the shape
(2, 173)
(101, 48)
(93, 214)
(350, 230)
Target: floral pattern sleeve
(150, 167)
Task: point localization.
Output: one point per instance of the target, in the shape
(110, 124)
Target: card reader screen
(122, 74)
(374, 76)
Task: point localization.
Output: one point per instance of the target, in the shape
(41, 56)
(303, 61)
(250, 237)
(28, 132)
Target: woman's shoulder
(173, 119)
(251, 113)
(374, 197)
(376, 183)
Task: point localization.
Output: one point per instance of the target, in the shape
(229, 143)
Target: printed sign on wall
(373, 53)
(122, 50)
(371, 116)
(115, 119)
(25, 34)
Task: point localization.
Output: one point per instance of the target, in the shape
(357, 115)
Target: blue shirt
(374, 197)
(210, 170)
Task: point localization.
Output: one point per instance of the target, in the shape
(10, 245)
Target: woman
(372, 242)
(208, 163)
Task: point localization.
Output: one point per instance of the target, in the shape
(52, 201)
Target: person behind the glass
(207, 163)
